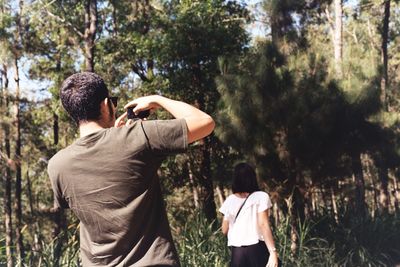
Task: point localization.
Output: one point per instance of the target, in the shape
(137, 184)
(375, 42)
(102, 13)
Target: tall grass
(68, 244)
(311, 250)
(65, 248)
(354, 242)
(365, 241)
(201, 243)
(321, 242)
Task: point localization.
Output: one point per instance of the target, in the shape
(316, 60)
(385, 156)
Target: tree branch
(140, 73)
(67, 23)
(330, 20)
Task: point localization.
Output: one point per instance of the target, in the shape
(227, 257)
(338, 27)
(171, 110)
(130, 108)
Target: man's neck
(86, 128)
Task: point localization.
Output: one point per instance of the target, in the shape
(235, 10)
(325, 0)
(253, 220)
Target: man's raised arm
(199, 123)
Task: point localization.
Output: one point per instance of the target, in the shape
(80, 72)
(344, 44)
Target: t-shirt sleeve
(264, 202)
(59, 200)
(166, 136)
(224, 209)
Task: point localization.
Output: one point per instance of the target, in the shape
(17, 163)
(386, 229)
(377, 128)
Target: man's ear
(103, 106)
(104, 103)
(108, 105)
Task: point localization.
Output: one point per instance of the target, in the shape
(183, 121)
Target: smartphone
(142, 114)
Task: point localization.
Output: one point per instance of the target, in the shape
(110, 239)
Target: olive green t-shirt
(109, 180)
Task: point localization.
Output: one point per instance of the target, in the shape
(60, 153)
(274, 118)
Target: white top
(244, 231)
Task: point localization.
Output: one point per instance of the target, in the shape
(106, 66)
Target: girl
(246, 222)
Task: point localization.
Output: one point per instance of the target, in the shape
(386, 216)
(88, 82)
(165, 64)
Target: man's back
(108, 179)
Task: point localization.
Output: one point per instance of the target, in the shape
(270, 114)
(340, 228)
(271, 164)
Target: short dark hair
(244, 179)
(81, 95)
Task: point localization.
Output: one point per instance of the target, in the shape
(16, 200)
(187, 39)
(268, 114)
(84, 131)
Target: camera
(141, 115)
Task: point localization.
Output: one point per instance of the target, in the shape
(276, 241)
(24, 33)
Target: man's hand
(120, 121)
(143, 103)
(139, 104)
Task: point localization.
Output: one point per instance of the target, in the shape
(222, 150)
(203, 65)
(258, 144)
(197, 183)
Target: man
(108, 177)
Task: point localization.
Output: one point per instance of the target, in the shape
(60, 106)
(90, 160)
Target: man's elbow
(199, 127)
(210, 124)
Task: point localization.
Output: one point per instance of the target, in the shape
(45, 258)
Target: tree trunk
(206, 183)
(36, 239)
(334, 205)
(336, 30)
(314, 200)
(16, 51)
(307, 206)
(293, 226)
(358, 177)
(296, 204)
(192, 184)
(90, 33)
(323, 197)
(7, 177)
(384, 53)
(280, 22)
(367, 162)
(205, 178)
(337, 39)
(18, 180)
(383, 189)
(396, 193)
(374, 196)
(220, 194)
(55, 129)
(7, 204)
(298, 198)
(275, 209)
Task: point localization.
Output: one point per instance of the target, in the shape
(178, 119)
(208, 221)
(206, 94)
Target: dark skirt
(250, 256)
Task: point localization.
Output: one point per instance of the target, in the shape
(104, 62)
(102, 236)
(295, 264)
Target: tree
(90, 33)
(384, 52)
(78, 20)
(195, 34)
(6, 22)
(5, 167)
(336, 28)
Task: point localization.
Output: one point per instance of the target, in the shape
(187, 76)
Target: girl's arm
(225, 226)
(265, 228)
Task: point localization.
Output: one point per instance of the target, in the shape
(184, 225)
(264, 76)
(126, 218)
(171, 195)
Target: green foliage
(312, 250)
(201, 244)
(250, 99)
(3, 257)
(61, 251)
(195, 34)
(363, 241)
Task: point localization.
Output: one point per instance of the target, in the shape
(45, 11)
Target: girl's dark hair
(244, 179)
(81, 95)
